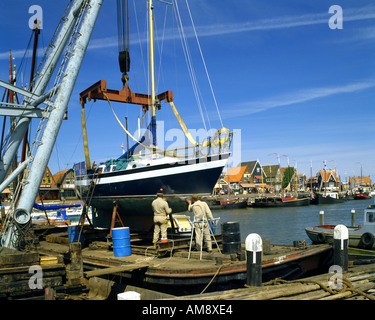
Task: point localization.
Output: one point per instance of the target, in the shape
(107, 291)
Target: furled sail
(147, 140)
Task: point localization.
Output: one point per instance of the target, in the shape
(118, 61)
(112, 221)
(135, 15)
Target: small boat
(361, 236)
(58, 215)
(229, 204)
(327, 198)
(361, 196)
(270, 202)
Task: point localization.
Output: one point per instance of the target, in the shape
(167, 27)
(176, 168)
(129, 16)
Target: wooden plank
(58, 238)
(23, 285)
(112, 270)
(19, 259)
(48, 260)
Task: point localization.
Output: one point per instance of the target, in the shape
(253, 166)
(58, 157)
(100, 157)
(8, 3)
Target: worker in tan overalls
(161, 210)
(202, 214)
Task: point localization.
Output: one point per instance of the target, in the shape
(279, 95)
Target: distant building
(328, 179)
(254, 177)
(301, 181)
(65, 182)
(48, 189)
(255, 172)
(274, 176)
(235, 177)
(312, 184)
(360, 183)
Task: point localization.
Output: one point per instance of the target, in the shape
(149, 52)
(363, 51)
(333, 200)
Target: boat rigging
(126, 179)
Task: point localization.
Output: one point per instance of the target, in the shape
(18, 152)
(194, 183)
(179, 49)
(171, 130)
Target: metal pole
(152, 64)
(55, 120)
(40, 86)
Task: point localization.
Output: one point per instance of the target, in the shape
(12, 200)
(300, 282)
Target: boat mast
(152, 67)
(152, 63)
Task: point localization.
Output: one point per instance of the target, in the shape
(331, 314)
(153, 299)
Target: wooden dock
(358, 283)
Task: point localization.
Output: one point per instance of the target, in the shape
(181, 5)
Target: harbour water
(285, 225)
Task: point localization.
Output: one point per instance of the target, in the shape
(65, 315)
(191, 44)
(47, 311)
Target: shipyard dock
(169, 270)
(90, 271)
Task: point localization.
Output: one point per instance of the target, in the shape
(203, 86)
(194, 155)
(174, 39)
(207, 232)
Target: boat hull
(320, 199)
(361, 197)
(185, 280)
(229, 205)
(133, 190)
(275, 203)
(324, 234)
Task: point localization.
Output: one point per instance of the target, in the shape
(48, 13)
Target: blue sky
(281, 76)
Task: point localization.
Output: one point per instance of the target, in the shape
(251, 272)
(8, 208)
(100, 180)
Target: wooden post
(353, 217)
(321, 218)
(115, 217)
(74, 271)
(340, 246)
(253, 245)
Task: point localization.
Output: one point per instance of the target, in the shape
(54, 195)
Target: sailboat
(131, 181)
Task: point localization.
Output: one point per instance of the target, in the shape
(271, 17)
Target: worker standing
(202, 214)
(161, 210)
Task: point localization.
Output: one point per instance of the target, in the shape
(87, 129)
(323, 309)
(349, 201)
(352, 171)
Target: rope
(204, 64)
(215, 142)
(217, 272)
(347, 286)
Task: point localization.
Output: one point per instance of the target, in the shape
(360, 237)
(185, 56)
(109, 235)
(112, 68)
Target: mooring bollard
(353, 217)
(253, 245)
(340, 246)
(321, 218)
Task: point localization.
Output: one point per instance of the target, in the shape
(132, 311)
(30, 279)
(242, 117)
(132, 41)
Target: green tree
(288, 175)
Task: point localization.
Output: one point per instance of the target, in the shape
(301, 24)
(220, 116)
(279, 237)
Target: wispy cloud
(294, 21)
(252, 107)
(286, 22)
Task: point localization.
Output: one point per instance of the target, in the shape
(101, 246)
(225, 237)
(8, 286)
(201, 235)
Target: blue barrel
(121, 242)
(75, 234)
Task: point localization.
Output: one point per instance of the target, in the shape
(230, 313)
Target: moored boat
(361, 196)
(270, 202)
(327, 198)
(228, 204)
(361, 236)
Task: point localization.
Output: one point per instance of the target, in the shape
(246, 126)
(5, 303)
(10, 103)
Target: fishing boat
(327, 198)
(361, 236)
(228, 204)
(271, 202)
(133, 179)
(361, 196)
